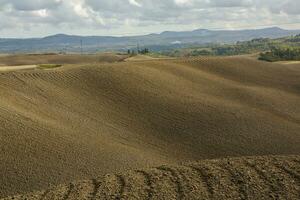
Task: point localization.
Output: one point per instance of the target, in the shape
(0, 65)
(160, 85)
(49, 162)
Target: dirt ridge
(81, 121)
(271, 184)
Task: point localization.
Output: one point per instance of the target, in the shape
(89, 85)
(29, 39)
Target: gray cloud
(291, 7)
(231, 3)
(121, 17)
(29, 5)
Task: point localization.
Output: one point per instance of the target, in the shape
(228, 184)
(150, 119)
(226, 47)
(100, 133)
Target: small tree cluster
(294, 39)
(144, 51)
(133, 52)
(278, 54)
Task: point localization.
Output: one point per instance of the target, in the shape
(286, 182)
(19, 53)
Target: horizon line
(241, 28)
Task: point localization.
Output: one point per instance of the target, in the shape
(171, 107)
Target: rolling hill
(164, 40)
(79, 122)
(73, 59)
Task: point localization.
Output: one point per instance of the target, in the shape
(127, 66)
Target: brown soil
(35, 59)
(235, 178)
(79, 122)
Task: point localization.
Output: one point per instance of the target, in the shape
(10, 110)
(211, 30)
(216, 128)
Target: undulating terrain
(79, 122)
(33, 59)
(238, 178)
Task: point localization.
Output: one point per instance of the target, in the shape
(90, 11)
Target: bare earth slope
(35, 59)
(75, 123)
(235, 178)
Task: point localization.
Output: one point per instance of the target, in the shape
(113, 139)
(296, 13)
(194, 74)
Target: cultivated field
(237, 178)
(78, 122)
(34, 59)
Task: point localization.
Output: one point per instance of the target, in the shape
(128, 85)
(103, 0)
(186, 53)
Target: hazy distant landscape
(155, 42)
(150, 100)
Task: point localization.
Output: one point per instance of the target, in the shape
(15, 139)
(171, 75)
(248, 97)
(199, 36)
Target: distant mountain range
(164, 40)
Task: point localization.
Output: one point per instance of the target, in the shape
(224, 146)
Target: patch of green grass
(48, 66)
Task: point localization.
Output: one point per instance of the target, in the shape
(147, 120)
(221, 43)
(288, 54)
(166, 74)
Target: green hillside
(286, 48)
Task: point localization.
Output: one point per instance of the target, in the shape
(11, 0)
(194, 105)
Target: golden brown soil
(35, 59)
(79, 122)
(146, 58)
(235, 178)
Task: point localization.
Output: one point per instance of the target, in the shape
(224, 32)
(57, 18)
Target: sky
(39, 18)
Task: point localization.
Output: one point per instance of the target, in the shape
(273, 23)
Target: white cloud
(118, 17)
(183, 2)
(79, 8)
(29, 5)
(135, 3)
(41, 13)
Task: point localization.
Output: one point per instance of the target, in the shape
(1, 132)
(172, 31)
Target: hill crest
(265, 177)
(72, 43)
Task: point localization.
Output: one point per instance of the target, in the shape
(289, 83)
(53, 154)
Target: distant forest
(281, 54)
(287, 48)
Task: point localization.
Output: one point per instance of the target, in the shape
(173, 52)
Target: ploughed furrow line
(191, 183)
(54, 81)
(266, 177)
(13, 80)
(291, 168)
(161, 185)
(176, 179)
(203, 175)
(218, 181)
(121, 183)
(292, 178)
(261, 174)
(137, 185)
(250, 184)
(82, 190)
(111, 187)
(96, 184)
(148, 183)
(273, 178)
(236, 178)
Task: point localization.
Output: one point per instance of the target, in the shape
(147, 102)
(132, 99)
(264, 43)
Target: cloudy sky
(36, 18)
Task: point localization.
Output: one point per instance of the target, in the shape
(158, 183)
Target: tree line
(281, 54)
(140, 51)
